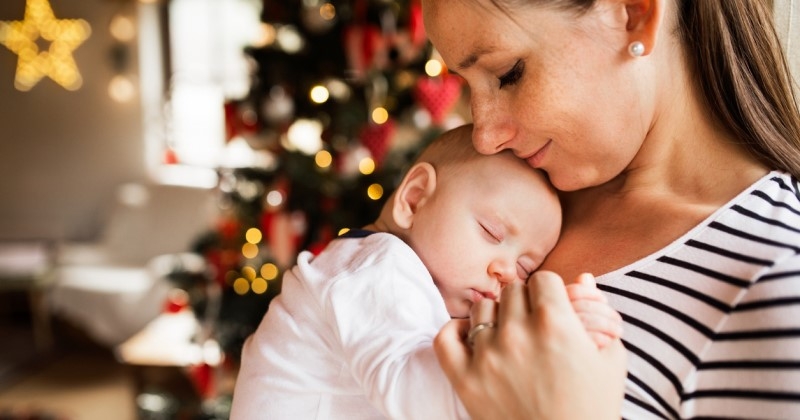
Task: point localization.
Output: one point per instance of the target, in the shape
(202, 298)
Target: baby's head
(477, 221)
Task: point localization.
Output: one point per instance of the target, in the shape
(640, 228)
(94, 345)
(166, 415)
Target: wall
(62, 153)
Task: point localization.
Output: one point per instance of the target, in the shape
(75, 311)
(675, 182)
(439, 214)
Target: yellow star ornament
(57, 63)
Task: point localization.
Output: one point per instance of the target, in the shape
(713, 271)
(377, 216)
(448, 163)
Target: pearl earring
(636, 49)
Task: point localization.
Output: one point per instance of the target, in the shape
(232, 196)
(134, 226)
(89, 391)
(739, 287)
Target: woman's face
(556, 87)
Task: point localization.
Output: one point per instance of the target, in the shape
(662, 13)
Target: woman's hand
(536, 362)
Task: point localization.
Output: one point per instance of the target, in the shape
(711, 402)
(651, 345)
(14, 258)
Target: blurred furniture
(114, 287)
(28, 266)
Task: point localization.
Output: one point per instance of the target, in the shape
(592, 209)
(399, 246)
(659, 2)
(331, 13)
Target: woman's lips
(535, 160)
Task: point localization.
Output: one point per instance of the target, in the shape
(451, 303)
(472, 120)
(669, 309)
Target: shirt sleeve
(386, 317)
(751, 367)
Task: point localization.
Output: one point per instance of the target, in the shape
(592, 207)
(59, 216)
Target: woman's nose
(492, 129)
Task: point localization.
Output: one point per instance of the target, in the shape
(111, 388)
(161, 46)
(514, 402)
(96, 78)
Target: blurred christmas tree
(344, 94)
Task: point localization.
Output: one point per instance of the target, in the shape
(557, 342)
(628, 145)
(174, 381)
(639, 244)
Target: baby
(351, 334)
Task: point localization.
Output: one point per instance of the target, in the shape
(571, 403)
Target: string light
(57, 63)
(433, 68)
(274, 198)
(366, 166)
(269, 271)
(323, 159)
(241, 286)
(250, 250)
(267, 35)
(319, 94)
(253, 235)
(249, 272)
(327, 11)
(305, 135)
(122, 28)
(121, 89)
(259, 286)
(380, 115)
(375, 191)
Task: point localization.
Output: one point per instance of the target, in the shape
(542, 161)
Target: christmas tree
(344, 94)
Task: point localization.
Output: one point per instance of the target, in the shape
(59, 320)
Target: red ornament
(363, 45)
(202, 377)
(438, 95)
(415, 26)
(377, 138)
(170, 157)
(239, 120)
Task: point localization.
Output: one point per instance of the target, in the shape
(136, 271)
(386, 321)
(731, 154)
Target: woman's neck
(687, 155)
(687, 168)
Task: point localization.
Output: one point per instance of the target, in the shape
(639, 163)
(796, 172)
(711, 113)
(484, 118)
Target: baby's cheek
(458, 308)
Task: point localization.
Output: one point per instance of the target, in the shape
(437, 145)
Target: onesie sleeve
(386, 316)
(751, 366)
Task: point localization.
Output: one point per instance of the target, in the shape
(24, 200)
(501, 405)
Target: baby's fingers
(598, 317)
(601, 340)
(585, 287)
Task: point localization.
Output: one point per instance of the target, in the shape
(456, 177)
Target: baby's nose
(504, 271)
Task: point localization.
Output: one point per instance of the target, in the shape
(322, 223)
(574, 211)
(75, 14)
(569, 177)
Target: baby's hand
(601, 321)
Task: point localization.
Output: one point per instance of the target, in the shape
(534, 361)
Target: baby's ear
(415, 189)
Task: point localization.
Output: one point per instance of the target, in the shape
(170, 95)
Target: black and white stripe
(712, 323)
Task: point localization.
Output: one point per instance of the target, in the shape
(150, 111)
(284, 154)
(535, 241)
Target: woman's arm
(538, 362)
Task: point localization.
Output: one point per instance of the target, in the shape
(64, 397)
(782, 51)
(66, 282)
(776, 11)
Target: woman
(671, 128)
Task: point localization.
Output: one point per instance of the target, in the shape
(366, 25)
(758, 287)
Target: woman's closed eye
(512, 76)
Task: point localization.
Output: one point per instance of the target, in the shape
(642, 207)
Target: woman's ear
(644, 19)
(415, 189)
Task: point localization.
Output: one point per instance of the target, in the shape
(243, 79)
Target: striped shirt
(712, 322)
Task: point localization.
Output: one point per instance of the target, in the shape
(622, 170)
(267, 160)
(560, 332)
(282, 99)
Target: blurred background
(162, 162)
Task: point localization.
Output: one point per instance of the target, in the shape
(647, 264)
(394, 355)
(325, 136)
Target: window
(184, 90)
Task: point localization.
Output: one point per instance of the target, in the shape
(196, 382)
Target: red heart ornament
(377, 138)
(438, 95)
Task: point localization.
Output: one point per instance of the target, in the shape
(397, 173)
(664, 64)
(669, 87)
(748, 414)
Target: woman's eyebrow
(472, 58)
(467, 62)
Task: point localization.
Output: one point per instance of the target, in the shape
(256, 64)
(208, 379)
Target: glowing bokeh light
(269, 271)
(266, 35)
(274, 198)
(305, 135)
(366, 166)
(57, 63)
(323, 159)
(380, 115)
(319, 94)
(253, 235)
(122, 28)
(375, 191)
(248, 272)
(433, 68)
(327, 11)
(241, 286)
(121, 89)
(250, 250)
(259, 286)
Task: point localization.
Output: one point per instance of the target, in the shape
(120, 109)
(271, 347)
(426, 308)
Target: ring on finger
(473, 332)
